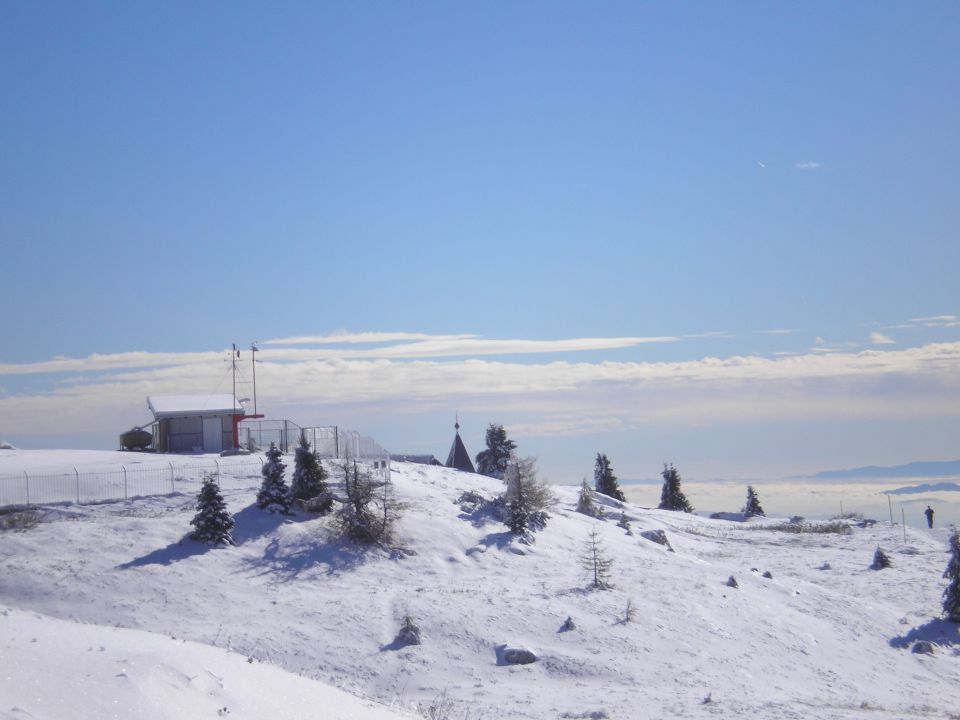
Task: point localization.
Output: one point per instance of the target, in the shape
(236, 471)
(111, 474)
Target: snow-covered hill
(824, 637)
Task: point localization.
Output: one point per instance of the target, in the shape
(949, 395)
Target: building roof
(163, 406)
(459, 458)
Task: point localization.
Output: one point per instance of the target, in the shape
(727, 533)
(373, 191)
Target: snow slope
(825, 637)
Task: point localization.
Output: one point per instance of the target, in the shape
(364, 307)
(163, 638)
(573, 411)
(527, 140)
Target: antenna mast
(233, 364)
(253, 362)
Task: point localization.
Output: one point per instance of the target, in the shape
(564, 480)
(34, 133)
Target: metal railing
(96, 484)
(163, 475)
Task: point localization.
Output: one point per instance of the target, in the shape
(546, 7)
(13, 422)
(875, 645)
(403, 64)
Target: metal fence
(95, 484)
(161, 475)
(327, 441)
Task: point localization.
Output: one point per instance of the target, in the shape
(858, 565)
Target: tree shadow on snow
(500, 540)
(334, 556)
(184, 548)
(253, 522)
(937, 631)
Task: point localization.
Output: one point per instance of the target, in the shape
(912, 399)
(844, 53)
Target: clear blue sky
(179, 176)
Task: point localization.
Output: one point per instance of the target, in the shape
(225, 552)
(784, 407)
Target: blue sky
(182, 176)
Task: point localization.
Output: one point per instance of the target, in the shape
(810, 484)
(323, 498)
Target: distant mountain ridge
(929, 468)
(925, 488)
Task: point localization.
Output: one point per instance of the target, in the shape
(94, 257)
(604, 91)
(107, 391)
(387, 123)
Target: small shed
(194, 423)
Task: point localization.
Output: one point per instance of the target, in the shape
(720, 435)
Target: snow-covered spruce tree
(494, 460)
(672, 497)
(585, 503)
(604, 479)
(526, 498)
(951, 595)
(274, 495)
(752, 507)
(212, 523)
(625, 523)
(595, 562)
(880, 560)
(309, 479)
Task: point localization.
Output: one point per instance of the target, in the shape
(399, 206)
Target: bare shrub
(19, 520)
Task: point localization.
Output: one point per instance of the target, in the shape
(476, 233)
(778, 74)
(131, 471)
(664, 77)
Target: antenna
(253, 362)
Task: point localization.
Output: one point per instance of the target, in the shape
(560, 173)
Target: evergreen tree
(951, 595)
(212, 523)
(585, 503)
(309, 478)
(596, 563)
(274, 494)
(494, 460)
(672, 497)
(752, 507)
(604, 479)
(526, 497)
(880, 560)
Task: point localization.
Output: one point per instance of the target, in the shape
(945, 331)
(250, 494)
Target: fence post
(124, 468)
(173, 487)
(336, 442)
(218, 470)
(77, 473)
(26, 480)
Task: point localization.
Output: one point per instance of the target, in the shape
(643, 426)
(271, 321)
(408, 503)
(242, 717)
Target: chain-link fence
(162, 475)
(94, 484)
(327, 441)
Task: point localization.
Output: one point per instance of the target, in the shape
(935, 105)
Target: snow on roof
(180, 405)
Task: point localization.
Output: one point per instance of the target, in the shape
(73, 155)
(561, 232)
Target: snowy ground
(825, 637)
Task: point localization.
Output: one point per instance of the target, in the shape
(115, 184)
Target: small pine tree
(951, 595)
(309, 477)
(526, 497)
(212, 523)
(596, 563)
(604, 479)
(494, 460)
(274, 495)
(672, 497)
(585, 503)
(753, 507)
(880, 560)
(624, 523)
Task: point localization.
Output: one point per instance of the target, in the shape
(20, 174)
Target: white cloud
(346, 337)
(558, 397)
(881, 339)
(776, 331)
(937, 321)
(404, 346)
(807, 165)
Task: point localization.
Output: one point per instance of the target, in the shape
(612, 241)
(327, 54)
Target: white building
(195, 423)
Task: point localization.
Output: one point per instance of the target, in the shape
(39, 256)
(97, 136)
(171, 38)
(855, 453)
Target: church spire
(459, 458)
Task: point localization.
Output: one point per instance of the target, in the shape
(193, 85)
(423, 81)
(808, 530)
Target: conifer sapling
(880, 560)
(752, 508)
(274, 495)
(951, 595)
(212, 523)
(672, 497)
(604, 479)
(309, 479)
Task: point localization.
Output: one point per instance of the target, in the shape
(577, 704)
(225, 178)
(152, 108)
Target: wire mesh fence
(327, 441)
(107, 483)
(95, 484)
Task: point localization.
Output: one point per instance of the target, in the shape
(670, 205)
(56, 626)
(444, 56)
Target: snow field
(807, 643)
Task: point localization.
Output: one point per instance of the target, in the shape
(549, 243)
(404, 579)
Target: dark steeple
(459, 458)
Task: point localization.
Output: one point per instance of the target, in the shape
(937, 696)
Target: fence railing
(327, 441)
(95, 484)
(107, 483)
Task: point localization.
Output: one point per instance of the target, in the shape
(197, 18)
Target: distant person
(929, 513)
